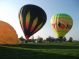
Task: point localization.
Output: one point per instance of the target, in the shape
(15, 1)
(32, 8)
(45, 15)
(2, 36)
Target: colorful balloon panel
(61, 24)
(32, 18)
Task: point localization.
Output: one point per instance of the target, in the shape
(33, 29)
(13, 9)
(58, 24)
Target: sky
(9, 10)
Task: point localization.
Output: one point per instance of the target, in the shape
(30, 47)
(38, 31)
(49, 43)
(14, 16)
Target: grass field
(65, 50)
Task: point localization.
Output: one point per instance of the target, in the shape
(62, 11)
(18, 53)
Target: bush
(70, 39)
(39, 39)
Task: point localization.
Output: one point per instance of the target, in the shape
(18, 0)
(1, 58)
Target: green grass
(65, 50)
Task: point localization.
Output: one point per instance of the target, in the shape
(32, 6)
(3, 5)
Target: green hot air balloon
(32, 18)
(61, 24)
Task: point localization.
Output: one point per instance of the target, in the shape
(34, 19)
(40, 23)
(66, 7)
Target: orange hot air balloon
(32, 18)
(8, 34)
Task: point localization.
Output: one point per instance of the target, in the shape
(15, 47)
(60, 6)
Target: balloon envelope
(32, 18)
(61, 24)
(8, 34)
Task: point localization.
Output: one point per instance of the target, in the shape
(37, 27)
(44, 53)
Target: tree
(39, 39)
(70, 39)
(64, 39)
(33, 40)
(61, 39)
(50, 39)
(22, 40)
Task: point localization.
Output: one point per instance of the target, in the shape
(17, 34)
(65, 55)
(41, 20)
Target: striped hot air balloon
(32, 18)
(61, 24)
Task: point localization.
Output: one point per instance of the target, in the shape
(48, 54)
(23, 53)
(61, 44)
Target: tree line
(47, 40)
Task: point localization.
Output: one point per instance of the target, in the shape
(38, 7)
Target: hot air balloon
(32, 18)
(7, 34)
(61, 24)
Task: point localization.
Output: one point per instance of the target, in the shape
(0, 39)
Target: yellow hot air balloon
(61, 23)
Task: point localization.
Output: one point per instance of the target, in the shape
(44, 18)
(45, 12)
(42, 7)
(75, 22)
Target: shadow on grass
(39, 46)
(6, 53)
